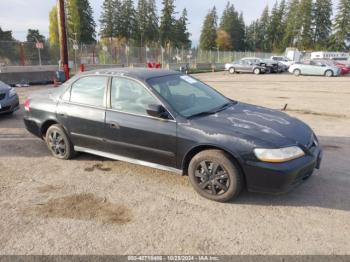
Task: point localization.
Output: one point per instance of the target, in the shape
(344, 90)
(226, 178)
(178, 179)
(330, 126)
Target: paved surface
(121, 208)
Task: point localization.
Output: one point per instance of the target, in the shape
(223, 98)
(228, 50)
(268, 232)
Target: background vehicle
(315, 68)
(271, 65)
(171, 121)
(283, 60)
(9, 101)
(245, 66)
(345, 69)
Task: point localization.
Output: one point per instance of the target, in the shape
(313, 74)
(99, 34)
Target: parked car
(9, 101)
(314, 68)
(283, 60)
(344, 69)
(245, 66)
(282, 67)
(168, 120)
(271, 65)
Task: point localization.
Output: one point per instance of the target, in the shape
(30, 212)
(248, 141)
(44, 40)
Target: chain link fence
(27, 54)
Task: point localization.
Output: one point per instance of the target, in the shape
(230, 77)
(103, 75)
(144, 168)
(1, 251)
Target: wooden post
(63, 36)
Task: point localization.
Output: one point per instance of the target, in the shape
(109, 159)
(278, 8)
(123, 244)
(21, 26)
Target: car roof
(137, 73)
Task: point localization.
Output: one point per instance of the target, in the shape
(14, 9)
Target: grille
(2, 96)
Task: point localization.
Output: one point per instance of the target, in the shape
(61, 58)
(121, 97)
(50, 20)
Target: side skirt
(127, 159)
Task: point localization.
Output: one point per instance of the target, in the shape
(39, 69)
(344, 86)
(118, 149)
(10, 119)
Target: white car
(315, 68)
(284, 60)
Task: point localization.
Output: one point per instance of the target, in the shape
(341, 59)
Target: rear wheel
(232, 70)
(297, 72)
(214, 176)
(328, 73)
(257, 71)
(58, 143)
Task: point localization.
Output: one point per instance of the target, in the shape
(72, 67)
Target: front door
(131, 132)
(82, 111)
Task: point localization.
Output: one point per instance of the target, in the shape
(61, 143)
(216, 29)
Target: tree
(53, 28)
(208, 35)
(108, 19)
(322, 22)
(167, 23)
(341, 37)
(31, 52)
(252, 41)
(305, 16)
(292, 24)
(81, 24)
(223, 40)
(152, 28)
(264, 24)
(7, 47)
(182, 34)
(127, 20)
(229, 23)
(141, 21)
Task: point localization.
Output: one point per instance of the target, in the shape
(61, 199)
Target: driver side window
(130, 97)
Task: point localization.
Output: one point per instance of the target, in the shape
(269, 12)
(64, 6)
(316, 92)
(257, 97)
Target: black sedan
(9, 102)
(167, 120)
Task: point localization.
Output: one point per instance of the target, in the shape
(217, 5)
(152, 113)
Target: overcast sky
(19, 15)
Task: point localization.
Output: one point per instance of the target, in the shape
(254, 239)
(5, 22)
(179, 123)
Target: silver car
(315, 68)
(9, 101)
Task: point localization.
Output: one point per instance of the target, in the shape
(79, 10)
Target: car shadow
(327, 188)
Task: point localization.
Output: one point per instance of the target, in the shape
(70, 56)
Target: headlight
(278, 155)
(12, 92)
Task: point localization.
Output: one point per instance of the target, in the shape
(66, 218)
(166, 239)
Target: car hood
(273, 128)
(4, 87)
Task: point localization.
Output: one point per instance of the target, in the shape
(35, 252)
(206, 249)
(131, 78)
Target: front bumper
(9, 105)
(281, 177)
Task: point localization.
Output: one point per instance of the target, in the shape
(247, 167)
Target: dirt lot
(92, 205)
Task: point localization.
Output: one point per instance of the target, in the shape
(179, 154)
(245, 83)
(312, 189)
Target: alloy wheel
(57, 143)
(212, 178)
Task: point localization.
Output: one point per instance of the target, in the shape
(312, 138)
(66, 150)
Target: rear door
(131, 132)
(82, 111)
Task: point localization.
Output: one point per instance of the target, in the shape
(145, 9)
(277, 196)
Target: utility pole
(63, 37)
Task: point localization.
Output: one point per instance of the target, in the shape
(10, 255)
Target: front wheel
(297, 72)
(58, 143)
(232, 70)
(214, 176)
(329, 73)
(257, 71)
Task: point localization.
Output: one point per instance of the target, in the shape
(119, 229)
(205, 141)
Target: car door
(82, 111)
(131, 132)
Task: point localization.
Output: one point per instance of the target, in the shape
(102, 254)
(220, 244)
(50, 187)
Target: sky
(19, 15)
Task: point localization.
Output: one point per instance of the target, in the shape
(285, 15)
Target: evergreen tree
(7, 48)
(80, 21)
(108, 19)
(281, 27)
(252, 41)
(341, 36)
(152, 28)
(141, 22)
(264, 24)
(127, 20)
(208, 35)
(292, 24)
(305, 16)
(182, 34)
(276, 25)
(241, 33)
(229, 24)
(53, 28)
(322, 22)
(167, 23)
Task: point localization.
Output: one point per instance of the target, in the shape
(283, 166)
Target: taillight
(26, 105)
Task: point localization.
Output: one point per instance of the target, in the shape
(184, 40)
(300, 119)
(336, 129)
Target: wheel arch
(46, 125)
(199, 148)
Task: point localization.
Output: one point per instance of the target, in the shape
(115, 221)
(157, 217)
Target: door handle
(63, 115)
(114, 125)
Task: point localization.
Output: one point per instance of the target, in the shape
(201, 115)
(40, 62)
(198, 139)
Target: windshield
(188, 96)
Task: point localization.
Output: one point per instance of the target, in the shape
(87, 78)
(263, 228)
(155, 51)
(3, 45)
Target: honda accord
(171, 121)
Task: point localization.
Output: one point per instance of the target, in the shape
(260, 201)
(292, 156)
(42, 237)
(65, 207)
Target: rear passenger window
(89, 90)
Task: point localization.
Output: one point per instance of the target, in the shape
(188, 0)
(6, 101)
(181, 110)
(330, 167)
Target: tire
(268, 70)
(232, 70)
(223, 184)
(59, 143)
(329, 73)
(297, 72)
(257, 71)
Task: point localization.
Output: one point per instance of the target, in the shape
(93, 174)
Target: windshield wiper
(214, 111)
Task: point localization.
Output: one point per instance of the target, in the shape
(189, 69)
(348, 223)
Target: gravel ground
(92, 205)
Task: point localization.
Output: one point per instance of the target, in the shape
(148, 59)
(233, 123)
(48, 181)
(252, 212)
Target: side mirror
(158, 111)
